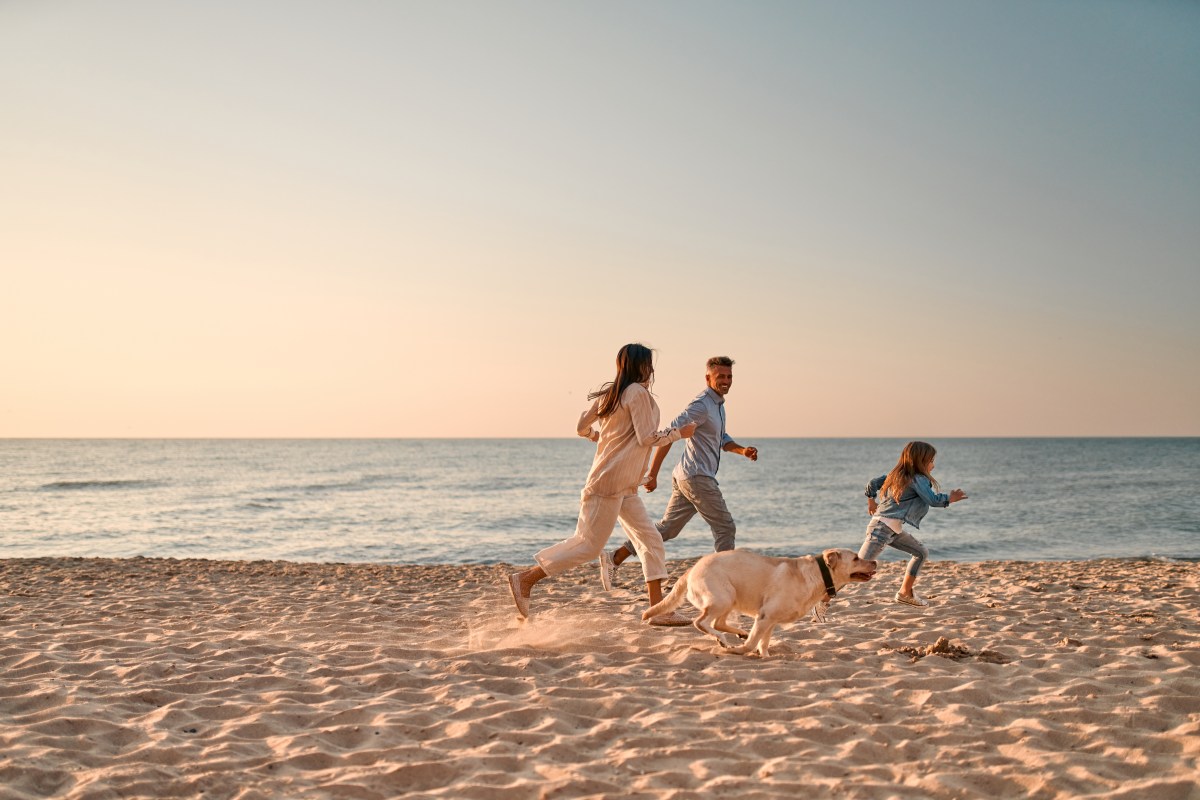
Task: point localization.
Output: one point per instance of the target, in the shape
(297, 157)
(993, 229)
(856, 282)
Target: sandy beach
(189, 678)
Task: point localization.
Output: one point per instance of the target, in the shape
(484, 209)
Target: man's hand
(651, 483)
(750, 453)
(872, 506)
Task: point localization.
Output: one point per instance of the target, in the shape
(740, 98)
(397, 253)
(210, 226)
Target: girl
(628, 418)
(907, 493)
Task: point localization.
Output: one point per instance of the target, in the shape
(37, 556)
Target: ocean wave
(1154, 557)
(538, 523)
(355, 485)
(112, 484)
(500, 483)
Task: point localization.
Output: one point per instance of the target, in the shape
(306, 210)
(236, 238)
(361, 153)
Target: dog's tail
(672, 601)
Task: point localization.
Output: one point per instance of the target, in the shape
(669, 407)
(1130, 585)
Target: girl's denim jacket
(914, 501)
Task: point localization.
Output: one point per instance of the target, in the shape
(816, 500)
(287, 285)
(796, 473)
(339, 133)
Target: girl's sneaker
(913, 600)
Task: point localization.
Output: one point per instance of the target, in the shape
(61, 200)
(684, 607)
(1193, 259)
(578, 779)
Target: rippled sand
(165, 678)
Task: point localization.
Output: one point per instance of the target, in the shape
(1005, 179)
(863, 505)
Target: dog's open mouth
(862, 575)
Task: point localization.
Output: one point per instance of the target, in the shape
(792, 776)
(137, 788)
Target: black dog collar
(826, 576)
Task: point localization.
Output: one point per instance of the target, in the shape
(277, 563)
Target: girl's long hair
(635, 364)
(914, 461)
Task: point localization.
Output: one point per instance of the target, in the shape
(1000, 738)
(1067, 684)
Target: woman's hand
(956, 495)
(686, 431)
(872, 506)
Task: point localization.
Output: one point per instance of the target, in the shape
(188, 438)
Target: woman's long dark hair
(635, 364)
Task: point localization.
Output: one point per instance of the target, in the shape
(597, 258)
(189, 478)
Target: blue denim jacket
(914, 501)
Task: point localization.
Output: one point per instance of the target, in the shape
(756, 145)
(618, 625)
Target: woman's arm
(641, 410)
(584, 428)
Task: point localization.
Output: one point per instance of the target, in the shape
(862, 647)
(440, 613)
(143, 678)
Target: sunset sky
(442, 219)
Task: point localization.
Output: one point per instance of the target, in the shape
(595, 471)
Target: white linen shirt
(627, 436)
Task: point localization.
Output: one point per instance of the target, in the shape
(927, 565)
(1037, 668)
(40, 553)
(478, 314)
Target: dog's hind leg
(672, 601)
(704, 624)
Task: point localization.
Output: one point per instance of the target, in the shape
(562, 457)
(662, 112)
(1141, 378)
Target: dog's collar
(827, 576)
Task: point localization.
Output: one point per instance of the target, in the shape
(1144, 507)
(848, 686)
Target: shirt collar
(714, 396)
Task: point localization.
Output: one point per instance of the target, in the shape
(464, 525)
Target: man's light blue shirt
(702, 452)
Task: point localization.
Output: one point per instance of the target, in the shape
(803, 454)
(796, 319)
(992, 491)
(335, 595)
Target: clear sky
(409, 219)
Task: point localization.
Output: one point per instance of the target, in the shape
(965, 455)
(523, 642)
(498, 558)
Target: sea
(459, 501)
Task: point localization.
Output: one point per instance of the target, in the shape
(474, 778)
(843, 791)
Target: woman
(628, 419)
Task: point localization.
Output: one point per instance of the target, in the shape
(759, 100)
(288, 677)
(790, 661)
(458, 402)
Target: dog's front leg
(760, 637)
(730, 642)
(723, 624)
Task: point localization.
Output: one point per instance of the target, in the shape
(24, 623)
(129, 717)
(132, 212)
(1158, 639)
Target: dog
(772, 590)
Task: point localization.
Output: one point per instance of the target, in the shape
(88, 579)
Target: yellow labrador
(772, 590)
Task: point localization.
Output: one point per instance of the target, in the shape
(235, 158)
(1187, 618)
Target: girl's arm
(873, 486)
(872, 491)
(641, 411)
(924, 490)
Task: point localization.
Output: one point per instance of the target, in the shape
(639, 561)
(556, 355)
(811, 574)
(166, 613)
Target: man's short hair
(718, 361)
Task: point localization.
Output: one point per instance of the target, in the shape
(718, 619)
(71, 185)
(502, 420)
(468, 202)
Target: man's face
(719, 379)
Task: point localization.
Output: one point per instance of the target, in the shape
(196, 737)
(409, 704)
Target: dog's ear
(832, 557)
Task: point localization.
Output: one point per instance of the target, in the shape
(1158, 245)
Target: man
(694, 480)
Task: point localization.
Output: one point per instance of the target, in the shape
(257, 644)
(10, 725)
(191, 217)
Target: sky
(443, 219)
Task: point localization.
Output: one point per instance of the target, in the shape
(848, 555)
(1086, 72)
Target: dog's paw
(729, 641)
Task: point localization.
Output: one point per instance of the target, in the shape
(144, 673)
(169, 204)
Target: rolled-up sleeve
(696, 412)
(584, 428)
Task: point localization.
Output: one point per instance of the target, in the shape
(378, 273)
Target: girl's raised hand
(956, 495)
(686, 431)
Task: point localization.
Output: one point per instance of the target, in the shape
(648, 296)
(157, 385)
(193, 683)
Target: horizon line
(568, 438)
